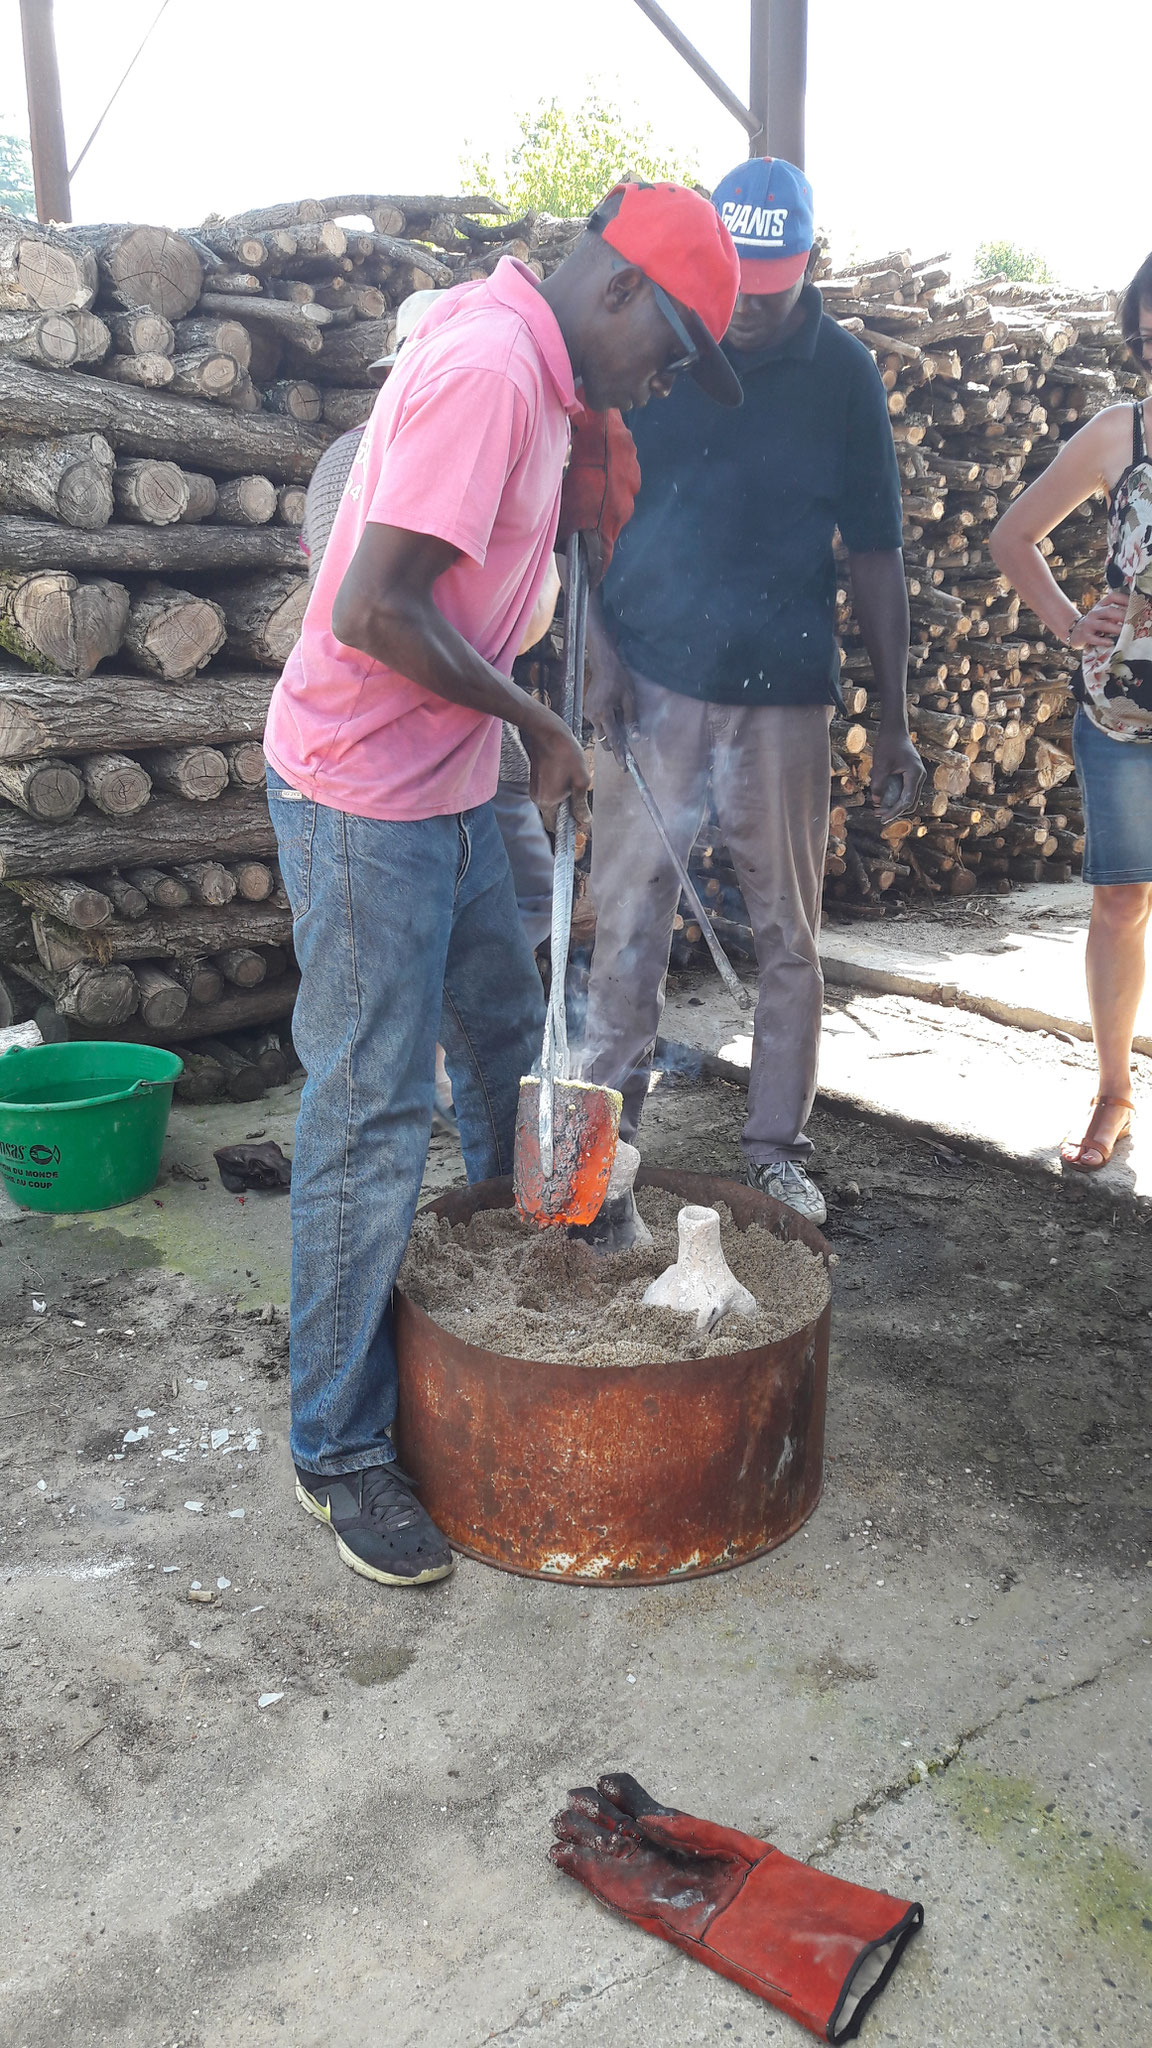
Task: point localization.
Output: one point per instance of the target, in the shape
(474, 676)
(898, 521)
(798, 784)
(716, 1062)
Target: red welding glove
(600, 486)
(815, 1946)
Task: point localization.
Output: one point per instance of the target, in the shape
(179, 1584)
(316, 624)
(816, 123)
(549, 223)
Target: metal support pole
(699, 64)
(779, 75)
(758, 77)
(45, 113)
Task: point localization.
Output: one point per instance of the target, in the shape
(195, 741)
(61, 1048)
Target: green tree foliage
(1008, 259)
(16, 176)
(565, 159)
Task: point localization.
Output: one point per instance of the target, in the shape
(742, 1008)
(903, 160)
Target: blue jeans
(1115, 778)
(406, 933)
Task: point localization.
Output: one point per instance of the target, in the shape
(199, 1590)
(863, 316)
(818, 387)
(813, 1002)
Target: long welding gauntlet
(600, 486)
(818, 1948)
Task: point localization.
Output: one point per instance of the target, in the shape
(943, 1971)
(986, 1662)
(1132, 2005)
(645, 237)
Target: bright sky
(927, 128)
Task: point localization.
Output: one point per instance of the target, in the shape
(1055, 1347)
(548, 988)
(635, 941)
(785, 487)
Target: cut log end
(154, 493)
(172, 633)
(198, 773)
(116, 785)
(55, 623)
(50, 790)
(149, 267)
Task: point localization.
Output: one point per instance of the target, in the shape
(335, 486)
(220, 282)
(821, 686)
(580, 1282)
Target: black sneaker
(381, 1530)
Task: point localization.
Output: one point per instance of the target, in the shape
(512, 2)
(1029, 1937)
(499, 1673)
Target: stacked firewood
(164, 398)
(982, 387)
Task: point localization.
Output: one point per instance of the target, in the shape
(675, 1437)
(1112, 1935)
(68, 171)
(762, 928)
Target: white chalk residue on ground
(88, 1568)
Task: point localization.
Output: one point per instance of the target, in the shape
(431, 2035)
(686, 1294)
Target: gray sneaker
(786, 1182)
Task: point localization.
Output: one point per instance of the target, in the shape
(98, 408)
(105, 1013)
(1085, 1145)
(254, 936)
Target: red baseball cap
(680, 243)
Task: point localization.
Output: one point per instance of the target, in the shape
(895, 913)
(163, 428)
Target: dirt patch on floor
(180, 1868)
(506, 1286)
(994, 1327)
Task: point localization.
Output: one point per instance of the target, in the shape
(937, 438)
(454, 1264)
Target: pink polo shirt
(467, 441)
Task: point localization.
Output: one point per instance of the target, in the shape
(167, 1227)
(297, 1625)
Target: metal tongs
(566, 1128)
(724, 967)
(555, 1059)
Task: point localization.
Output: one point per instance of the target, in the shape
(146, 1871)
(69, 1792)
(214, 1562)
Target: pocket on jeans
(294, 821)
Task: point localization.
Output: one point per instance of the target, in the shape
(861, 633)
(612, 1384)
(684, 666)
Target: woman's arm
(1089, 462)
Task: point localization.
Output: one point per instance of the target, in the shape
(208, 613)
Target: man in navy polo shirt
(713, 653)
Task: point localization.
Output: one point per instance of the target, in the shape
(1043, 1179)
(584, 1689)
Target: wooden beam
(45, 113)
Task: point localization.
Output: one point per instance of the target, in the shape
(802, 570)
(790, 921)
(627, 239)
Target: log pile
(164, 398)
(141, 893)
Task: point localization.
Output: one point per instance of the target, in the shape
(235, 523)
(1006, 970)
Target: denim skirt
(1115, 778)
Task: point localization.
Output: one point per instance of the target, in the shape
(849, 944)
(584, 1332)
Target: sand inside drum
(527, 1293)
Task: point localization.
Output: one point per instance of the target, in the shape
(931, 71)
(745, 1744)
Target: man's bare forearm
(385, 607)
(407, 633)
(880, 602)
(880, 605)
(610, 695)
(601, 645)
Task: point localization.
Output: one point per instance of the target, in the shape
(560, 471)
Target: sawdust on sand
(528, 1293)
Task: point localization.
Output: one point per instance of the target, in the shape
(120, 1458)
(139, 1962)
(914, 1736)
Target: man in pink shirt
(383, 743)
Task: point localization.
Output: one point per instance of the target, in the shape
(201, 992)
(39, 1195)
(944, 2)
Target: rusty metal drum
(616, 1475)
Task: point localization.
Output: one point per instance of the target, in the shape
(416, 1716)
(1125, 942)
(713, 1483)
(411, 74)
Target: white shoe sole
(357, 1564)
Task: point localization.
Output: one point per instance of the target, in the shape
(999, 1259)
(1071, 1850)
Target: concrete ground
(300, 1809)
(1017, 959)
(969, 1020)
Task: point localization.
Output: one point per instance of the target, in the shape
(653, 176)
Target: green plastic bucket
(82, 1126)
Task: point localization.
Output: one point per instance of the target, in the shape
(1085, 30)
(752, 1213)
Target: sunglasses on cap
(691, 357)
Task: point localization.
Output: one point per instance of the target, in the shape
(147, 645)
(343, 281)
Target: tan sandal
(1071, 1154)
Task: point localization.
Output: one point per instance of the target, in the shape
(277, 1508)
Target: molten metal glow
(586, 1122)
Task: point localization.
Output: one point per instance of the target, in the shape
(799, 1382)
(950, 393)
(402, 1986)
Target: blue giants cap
(766, 206)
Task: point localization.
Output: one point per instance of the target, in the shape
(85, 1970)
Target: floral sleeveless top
(1116, 688)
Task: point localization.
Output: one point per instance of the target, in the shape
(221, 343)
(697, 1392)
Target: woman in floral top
(1112, 734)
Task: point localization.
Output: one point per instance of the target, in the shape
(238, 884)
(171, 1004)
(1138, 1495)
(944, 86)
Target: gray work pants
(769, 771)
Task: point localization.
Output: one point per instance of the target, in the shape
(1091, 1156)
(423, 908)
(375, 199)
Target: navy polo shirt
(723, 584)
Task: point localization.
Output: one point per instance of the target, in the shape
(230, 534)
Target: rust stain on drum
(616, 1475)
